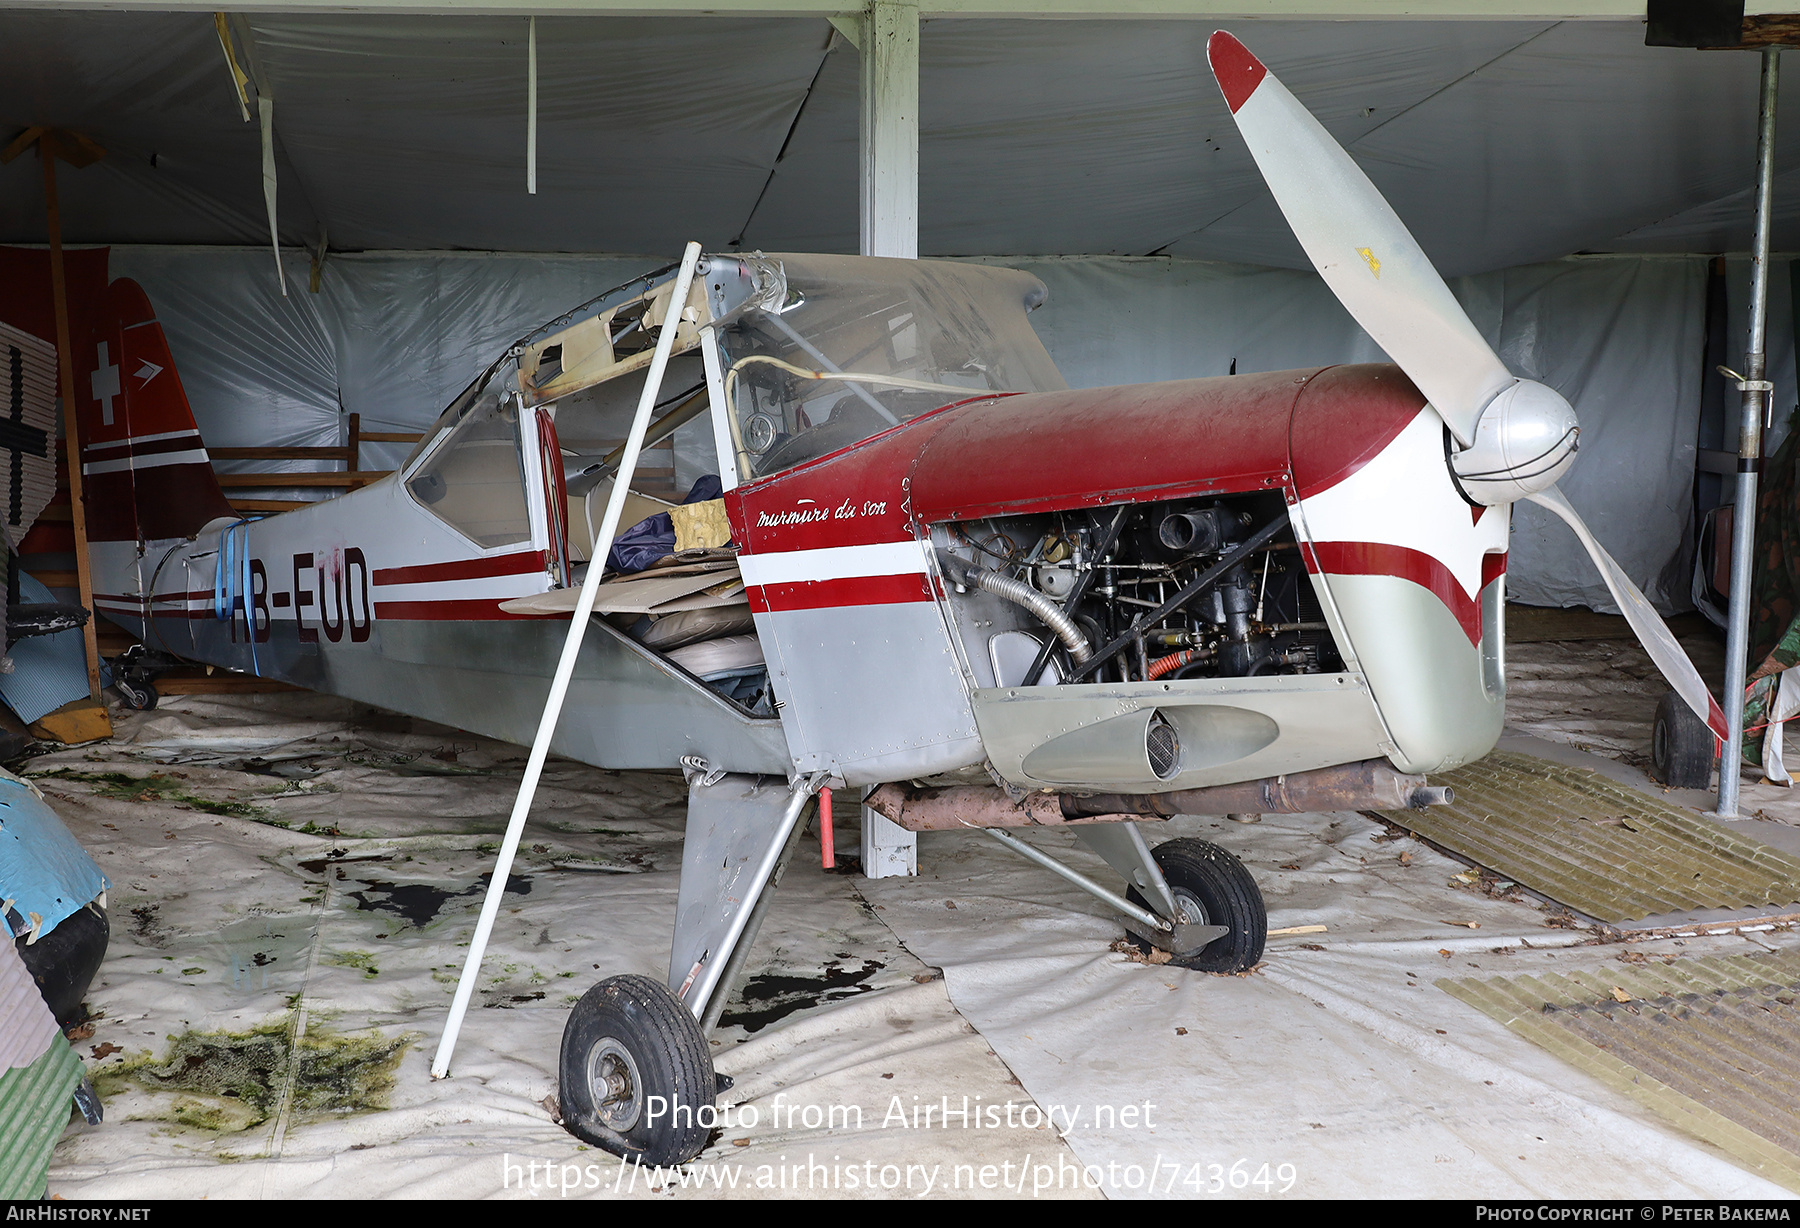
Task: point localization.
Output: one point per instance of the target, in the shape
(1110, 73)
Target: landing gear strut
(636, 1074)
(134, 674)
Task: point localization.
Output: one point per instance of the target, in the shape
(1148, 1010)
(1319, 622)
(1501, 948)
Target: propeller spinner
(1517, 436)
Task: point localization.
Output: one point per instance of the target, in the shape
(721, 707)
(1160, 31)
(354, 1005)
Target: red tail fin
(145, 470)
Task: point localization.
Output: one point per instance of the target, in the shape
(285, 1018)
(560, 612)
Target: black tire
(636, 1075)
(64, 961)
(1682, 748)
(1213, 888)
(139, 696)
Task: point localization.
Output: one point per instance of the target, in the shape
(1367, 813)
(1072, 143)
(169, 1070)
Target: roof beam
(1210, 10)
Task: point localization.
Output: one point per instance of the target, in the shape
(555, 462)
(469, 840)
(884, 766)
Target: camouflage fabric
(1757, 698)
(1775, 581)
(1774, 585)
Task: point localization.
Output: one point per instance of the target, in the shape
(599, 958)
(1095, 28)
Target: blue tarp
(48, 670)
(43, 869)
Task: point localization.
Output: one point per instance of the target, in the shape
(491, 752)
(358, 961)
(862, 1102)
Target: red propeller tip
(1237, 71)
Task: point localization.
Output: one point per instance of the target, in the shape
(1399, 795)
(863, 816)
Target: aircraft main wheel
(139, 696)
(1682, 748)
(1212, 887)
(636, 1075)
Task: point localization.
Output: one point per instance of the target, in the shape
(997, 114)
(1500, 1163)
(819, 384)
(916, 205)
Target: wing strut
(565, 668)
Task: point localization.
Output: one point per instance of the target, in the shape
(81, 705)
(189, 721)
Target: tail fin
(145, 471)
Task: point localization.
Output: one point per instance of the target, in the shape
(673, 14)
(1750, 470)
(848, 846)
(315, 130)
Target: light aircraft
(986, 599)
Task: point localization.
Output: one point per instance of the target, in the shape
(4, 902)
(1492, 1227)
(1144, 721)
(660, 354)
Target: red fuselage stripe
(474, 609)
(1382, 559)
(517, 564)
(832, 594)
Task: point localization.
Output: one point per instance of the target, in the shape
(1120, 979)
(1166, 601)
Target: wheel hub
(618, 1088)
(1188, 908)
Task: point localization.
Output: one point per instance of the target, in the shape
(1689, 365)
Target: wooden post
(355, 441)
(49, 146)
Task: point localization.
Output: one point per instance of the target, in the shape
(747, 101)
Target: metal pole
(1142, 916)
(565, 667)
(1756, 393)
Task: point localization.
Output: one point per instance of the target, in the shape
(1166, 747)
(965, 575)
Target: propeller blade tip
(1236, 70)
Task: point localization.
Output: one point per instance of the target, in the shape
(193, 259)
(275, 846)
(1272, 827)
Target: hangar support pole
(890, 129)
(890, 227)
(1753, 419)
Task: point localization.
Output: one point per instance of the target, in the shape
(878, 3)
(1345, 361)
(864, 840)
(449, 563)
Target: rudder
(145, 471)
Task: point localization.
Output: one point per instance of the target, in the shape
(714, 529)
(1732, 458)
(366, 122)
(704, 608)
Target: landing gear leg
(1189, 898)
(636, 1076)
(134, 674)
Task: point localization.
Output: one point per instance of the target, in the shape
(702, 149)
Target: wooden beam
(48, 151)
(272, 481)
(268, 505)
(1767, 30)
(295, 453)
(196, 682)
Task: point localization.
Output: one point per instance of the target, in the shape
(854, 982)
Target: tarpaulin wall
(395, 336)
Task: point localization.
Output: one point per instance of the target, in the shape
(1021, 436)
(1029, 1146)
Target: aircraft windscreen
(861, 345)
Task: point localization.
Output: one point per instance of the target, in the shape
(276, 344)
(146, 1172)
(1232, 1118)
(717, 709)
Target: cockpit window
(474, 478)
(859, 345)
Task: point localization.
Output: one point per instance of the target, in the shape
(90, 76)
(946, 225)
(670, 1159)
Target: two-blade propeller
(1517, 436)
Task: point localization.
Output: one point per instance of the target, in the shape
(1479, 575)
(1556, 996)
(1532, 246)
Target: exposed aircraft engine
(1212, 587)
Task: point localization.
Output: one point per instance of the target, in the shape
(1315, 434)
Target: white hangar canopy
(1500, 142)
(1075, 148)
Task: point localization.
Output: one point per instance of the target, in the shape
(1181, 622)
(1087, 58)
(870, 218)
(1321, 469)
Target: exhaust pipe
(1369, 785)
(1372, 784)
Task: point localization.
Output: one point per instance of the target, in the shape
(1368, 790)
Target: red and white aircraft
(990, 600)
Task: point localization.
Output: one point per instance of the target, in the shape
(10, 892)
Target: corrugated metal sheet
(35, 1104)
(26, 1025)
(1713, 1045)
(49, 670)
(28, 395)
(38, 1074)
(1599, 847)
